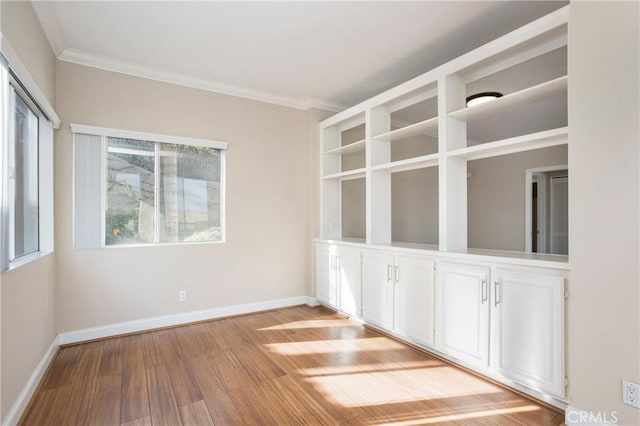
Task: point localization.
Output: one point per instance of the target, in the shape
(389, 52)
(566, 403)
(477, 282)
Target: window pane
(189, 194)
(24, 217)
(130, 192)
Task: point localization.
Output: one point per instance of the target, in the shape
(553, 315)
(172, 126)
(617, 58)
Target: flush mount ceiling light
(480, 98)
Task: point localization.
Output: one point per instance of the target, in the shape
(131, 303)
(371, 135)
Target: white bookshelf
(445, 89)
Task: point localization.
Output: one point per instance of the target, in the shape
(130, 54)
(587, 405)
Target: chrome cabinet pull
(397, 273)
(388, 272)
(497, 292)
(484, 290)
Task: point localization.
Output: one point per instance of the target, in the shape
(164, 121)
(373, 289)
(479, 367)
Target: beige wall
(28, 323)
(265, 256)
(495, 197)
(604, 296)
(28, 293)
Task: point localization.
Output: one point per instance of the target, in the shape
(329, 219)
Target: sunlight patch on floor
(334, 346)
(465, 416)
(390, 387)
(365, 368)
(312, 324)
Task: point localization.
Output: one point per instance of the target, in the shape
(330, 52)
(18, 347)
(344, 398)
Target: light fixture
(480, 98)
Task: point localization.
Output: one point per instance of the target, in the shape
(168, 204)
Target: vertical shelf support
(452, 172)
(330, 190)
(378, 195)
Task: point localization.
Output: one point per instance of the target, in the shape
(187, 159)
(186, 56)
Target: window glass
(130, 192)
(23, 176)
(185, 179)
(189, 194)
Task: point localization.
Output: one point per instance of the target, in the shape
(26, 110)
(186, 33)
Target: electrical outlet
(182, 296)
(631, 393)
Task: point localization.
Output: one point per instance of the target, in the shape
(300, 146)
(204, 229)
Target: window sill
(25, 260)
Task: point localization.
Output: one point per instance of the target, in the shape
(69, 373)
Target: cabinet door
(326, 290)
(377, 288)
(414, 298)
(462, 328)
(349, 280)
(529, 332)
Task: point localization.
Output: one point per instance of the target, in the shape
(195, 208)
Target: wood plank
(196, 413)
(151, 349)
(162, 401)
(184, 384)
(107, 401)
(144, 421)
(135, 398)
(111, 362)
(215, 394)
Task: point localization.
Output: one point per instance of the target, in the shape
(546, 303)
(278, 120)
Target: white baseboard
(176, 319)
(312, 301)
(27, 392)
(575, 416)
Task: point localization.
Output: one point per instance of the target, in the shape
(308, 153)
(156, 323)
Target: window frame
(16, 91)
(15, 83)
(106, 133)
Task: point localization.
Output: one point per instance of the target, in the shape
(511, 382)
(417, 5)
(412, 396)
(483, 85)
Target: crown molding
(81, 57)
(51, 27)
(47, 17)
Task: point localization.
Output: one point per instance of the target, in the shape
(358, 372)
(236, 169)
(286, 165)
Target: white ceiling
(300, 54)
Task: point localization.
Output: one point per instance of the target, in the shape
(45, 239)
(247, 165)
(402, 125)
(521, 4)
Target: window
(22, 178)
(153, 189)
(27, 159)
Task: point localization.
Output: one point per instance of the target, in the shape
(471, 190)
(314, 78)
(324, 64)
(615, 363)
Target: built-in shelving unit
(424, 123)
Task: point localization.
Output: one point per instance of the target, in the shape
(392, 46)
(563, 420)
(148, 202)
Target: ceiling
(302, 54)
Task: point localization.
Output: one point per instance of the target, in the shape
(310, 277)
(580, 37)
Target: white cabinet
(377, 288)
(500, 319)
(528, 309)
(414, 298)
(348, 280)
(326, 291)
(398, 294)
(462, 327)
(338, 277)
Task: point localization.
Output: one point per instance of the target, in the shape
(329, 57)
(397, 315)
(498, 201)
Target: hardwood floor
(294, 366)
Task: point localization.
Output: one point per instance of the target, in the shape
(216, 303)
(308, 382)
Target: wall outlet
(182, 296)
(631, 393)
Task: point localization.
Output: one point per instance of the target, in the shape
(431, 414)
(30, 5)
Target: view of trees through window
(162, 193)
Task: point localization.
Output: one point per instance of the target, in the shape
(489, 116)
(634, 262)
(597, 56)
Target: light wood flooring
(294, 366)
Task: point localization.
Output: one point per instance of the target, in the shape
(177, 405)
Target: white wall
(604, 296)
(496, 200)
(28, 316)
(265, 256)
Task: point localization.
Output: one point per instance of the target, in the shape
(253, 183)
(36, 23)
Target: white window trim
(104, 133)
(45, 159)
(152, 137)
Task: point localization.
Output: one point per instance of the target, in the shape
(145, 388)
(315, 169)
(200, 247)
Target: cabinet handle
(397, 273)
(484, 290)
(388, 272)
(498, 299)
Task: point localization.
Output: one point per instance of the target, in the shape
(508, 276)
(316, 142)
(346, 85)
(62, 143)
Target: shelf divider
(422, 127)
(530, 94)
(544, 139)
(421, 162)
(357, 146)
(347, 175)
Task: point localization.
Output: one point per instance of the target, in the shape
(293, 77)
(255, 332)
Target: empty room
(319, 212)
